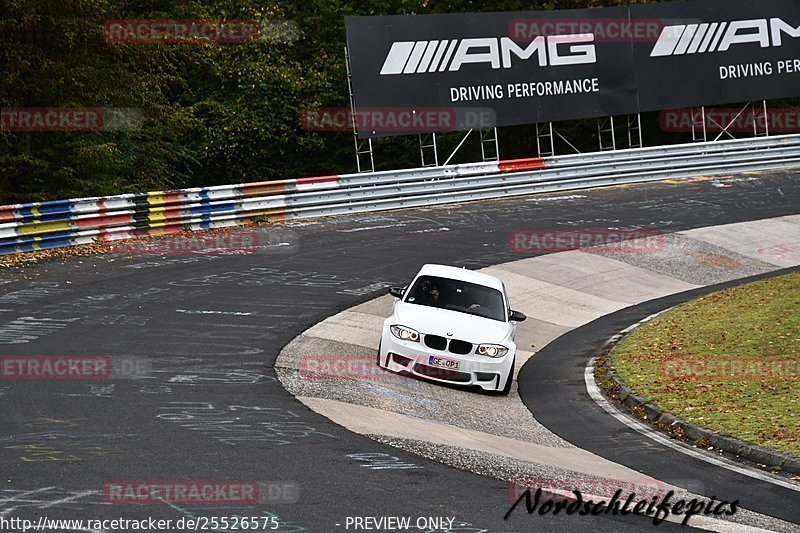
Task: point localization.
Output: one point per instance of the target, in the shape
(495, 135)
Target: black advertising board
(461, 71)
(482, 61)
(716, 52)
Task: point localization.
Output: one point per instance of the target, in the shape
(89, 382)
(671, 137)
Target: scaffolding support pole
(489, 138)
(545, 132)
(428, 140)
(362, 147)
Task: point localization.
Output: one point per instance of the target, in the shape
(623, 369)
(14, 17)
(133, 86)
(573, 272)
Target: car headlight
(491, 350)
(405, 334)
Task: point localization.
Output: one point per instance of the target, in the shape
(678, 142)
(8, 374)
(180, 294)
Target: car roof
(461, 274)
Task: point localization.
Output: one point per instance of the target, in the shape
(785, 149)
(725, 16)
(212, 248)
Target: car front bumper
(414, 358)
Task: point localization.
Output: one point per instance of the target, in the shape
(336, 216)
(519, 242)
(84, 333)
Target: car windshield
(458, 296)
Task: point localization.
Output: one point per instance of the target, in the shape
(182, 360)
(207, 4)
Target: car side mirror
(397, 292)
(517, 316)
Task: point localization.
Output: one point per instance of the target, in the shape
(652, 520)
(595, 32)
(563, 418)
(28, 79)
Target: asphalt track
(209, 328)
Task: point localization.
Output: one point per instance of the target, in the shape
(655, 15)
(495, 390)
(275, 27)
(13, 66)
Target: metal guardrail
(59, 223)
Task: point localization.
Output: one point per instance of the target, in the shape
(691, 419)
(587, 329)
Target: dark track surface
(555, 378)
(234, 420)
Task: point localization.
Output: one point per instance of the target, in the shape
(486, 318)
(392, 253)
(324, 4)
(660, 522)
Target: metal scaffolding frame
(701, 121)
(489, 142)
(363, 146)
(606, 129)
(699, 131)
(428, 141)
(763, 117)
(546, 135)
(606, 126)
(545, 143)
(634, 127)
(452, 155)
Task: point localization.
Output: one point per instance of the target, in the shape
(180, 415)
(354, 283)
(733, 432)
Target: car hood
(462, 326)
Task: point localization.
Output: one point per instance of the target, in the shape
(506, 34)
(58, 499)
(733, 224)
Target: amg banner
(487, 69)
(518, 65)
(718, 52)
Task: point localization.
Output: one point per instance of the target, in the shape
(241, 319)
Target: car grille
(460, 347)
(436, 342)
(442, 373)
(456, 346)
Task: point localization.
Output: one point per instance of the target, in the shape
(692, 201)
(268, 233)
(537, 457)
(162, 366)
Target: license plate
(442, 362)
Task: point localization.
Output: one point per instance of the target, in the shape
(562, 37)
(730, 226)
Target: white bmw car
(452, 325)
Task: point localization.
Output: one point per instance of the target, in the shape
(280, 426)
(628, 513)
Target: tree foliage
(212, 113)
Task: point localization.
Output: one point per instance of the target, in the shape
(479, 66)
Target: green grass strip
(727, 361)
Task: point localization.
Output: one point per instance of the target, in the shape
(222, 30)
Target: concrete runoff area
(559, 292)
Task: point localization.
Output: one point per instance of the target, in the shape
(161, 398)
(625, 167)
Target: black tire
(379, 355)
